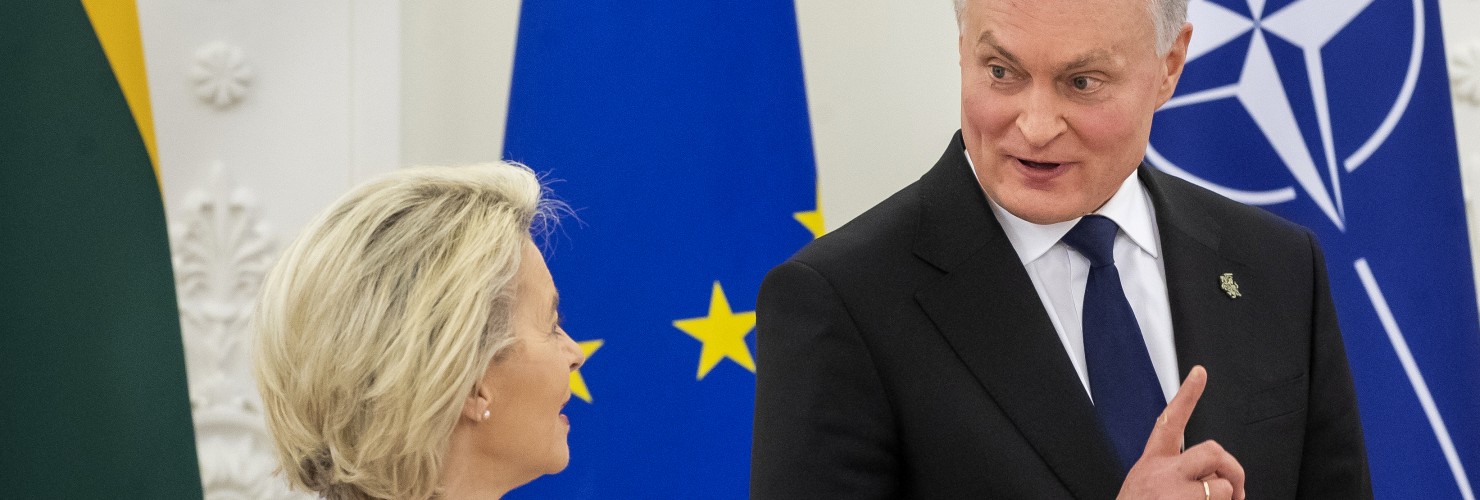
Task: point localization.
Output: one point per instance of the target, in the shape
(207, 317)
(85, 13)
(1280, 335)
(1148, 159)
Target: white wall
(883, 92)
(1461, 20)
(458, 61)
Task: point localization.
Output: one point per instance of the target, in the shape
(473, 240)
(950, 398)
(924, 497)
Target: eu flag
(1335, 114)
(678, 133)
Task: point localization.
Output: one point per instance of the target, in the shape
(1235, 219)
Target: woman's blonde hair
(375, 324)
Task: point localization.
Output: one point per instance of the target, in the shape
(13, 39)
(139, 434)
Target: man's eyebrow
(1088, 58)
(990, 40)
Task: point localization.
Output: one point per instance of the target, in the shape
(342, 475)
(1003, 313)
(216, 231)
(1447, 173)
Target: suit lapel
(987, 310)
(1208, 327)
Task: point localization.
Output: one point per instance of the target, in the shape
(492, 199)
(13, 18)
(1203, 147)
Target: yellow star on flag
(577, 382)
(812, 219)
(722, 332)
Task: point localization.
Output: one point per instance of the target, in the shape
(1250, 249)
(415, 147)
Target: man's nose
(1041, 119)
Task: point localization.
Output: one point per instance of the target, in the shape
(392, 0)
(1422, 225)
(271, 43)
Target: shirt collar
(1130, 207)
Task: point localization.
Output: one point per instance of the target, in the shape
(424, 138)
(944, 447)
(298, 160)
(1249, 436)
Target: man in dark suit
(1009, 325)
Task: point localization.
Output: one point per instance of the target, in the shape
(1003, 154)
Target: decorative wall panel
(265, 112)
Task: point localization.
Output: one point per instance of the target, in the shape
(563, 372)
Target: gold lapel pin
(1229, 286)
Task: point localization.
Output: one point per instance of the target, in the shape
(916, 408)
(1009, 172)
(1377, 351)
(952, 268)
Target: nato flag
(1336, 115)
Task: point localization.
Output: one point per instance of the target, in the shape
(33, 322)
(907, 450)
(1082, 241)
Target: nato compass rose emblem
(1295, 84)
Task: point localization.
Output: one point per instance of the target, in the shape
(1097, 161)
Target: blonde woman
(409, 345)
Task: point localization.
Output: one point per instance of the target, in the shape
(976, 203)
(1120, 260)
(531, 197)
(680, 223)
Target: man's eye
(1084, 83)
(998, 71)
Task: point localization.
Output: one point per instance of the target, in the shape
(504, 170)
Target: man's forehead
(1079, 18)
(1072, 60)
(1062, 6)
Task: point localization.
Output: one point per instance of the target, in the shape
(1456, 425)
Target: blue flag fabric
(1336, 115)
(678, 132)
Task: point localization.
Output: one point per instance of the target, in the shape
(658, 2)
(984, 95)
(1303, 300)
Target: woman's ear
(478, 406)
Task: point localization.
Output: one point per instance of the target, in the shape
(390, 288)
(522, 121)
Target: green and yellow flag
(93, 397)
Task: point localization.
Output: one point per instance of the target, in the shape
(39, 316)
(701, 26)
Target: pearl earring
(486, 414)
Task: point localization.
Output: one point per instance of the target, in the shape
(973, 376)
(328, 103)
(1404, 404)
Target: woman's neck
(469, 475)
(472, 487)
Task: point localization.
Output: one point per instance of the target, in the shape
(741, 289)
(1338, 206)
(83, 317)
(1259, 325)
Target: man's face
(1057, 98)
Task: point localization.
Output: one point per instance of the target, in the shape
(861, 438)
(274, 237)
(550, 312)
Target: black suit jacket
(906, 355)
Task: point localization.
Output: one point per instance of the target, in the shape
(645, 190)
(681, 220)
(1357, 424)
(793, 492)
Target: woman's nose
(578, 356)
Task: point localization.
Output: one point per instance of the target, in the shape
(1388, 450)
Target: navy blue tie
(1127, 396)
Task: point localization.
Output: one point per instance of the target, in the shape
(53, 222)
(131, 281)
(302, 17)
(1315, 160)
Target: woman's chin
(561, 463)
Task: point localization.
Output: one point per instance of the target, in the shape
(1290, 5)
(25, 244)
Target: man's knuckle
(1220, 488)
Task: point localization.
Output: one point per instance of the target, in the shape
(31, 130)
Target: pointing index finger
(1166, 437)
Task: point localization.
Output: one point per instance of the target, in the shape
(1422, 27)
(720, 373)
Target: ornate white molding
(1464, 72)
(236, 461)
(222, 251)
(221, 74)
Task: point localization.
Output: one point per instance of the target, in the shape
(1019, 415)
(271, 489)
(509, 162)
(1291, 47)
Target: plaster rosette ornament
(221, 74)
(1464, 72)
(222, 251)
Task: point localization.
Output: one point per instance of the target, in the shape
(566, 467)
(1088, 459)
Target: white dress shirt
(1059, 275)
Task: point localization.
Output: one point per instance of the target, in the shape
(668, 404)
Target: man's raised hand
(1165, 471)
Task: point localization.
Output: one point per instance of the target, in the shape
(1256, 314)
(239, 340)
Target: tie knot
(1094, 238)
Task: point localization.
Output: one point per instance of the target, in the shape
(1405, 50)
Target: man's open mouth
(1039, 164)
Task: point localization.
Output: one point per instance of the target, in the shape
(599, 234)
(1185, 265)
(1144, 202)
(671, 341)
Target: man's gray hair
(1167, 17)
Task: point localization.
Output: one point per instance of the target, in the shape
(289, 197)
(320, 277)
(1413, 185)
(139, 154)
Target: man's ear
(1175, 61)
(961, 51)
